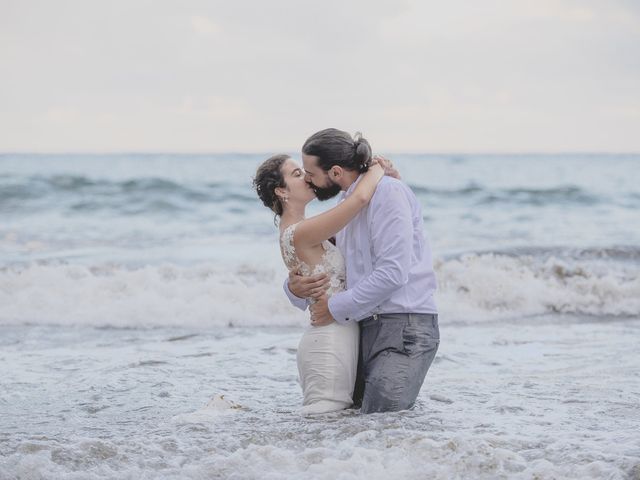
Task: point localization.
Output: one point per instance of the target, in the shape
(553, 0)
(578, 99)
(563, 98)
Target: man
(390, 278)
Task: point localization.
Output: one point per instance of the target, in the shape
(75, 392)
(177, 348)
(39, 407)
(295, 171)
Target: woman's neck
(292, 214)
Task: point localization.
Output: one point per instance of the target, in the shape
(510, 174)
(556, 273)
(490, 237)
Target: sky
(496, 76)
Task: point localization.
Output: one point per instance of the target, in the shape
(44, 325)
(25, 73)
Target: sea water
(144, 332)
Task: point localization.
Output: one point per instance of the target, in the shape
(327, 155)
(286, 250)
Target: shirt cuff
(301, 303)
(341, 307)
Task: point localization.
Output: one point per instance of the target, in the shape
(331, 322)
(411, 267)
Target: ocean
(144, 332)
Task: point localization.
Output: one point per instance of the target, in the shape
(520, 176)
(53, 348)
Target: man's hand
(320, 314)
(313, 286)
(389, 169)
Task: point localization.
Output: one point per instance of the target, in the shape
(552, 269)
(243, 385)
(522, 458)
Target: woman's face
(297, 189)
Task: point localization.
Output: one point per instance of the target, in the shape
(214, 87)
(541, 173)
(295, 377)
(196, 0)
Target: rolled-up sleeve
(391, 230)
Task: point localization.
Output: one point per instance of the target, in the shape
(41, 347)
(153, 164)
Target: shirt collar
(352, 187)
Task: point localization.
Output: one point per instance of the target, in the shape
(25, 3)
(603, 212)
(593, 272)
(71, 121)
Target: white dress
(327, 356)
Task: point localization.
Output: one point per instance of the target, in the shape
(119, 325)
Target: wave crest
(494, 286)
(472, 287)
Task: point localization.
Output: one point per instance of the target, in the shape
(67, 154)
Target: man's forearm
(378, 287)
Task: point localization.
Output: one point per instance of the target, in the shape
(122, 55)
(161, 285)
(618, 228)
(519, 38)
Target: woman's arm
(319, 228)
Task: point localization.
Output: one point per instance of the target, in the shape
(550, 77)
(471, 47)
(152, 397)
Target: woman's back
(329, 260)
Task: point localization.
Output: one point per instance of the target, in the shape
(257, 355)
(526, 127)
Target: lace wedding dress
(327, 356)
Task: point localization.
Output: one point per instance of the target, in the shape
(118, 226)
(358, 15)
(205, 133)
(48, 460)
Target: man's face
(318, 179)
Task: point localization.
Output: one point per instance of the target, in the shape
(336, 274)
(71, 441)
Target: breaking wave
(473, 287)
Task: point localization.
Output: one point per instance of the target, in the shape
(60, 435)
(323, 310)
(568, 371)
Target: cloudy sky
(415, 75)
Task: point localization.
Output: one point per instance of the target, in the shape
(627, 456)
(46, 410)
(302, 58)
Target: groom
(390, 278)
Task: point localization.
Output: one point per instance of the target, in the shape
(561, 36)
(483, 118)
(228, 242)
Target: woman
(327, 356)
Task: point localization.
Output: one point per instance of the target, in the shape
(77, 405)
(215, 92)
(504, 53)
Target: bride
(327, 356)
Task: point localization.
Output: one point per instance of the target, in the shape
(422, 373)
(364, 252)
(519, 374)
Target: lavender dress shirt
(388, 259)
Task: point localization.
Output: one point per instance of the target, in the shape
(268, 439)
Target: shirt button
(346, 319)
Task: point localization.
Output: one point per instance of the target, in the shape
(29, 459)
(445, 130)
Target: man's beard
(325, 193)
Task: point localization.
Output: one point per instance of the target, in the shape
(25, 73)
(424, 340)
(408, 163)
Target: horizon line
(274, 152)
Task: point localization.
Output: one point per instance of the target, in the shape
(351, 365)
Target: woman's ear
(281, 192)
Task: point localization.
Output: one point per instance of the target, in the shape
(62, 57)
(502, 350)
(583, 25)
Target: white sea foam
(414, 457)
(535, 401)
(150, 296)
(474, 287)
(490, 286)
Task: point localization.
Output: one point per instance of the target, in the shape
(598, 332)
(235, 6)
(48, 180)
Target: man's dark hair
(335, 147)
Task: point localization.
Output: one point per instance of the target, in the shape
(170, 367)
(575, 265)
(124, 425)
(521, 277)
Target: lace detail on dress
(332, 261)
(286, 245)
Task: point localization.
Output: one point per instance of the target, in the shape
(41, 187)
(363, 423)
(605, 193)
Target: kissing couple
(364, 270)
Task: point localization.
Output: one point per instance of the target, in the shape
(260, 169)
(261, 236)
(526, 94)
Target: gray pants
(396, 351)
